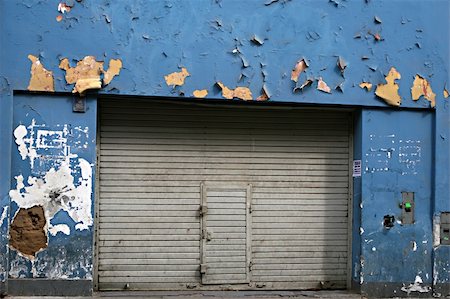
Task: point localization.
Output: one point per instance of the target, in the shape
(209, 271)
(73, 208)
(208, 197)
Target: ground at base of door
(218, 295)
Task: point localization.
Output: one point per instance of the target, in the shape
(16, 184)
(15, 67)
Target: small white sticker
(356, 168)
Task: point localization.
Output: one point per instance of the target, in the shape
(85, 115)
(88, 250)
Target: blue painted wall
(67, 256)
(155, 38)
(397, 156)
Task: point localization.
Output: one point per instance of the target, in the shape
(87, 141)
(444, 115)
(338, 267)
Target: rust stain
(115, 65)
(322, 86)
(177, 78)
(200, 93)
(421, 87)
(389, 91)
(366, 85)
(299, 67)
(85, 75)
(41, 79)
(27, 233)
(243, 93)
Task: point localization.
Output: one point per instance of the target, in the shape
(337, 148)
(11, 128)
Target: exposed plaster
(366, 85)
(299, 68)
(27, 233)
(322, 86)
(200, 93)
(177, 78)
(113, 70)
(242, 93)
(86, 74)
(421, 87)
(389, 91)
(41, 79)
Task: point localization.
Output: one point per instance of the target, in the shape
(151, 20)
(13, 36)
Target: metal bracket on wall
(408, 206)
(445, 228)
(79, 104)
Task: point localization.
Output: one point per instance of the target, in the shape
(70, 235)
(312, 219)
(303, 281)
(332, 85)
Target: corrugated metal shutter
(154, 159)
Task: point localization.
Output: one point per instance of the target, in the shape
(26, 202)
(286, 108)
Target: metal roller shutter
(195, 196)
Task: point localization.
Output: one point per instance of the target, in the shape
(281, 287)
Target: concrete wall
(175, 48)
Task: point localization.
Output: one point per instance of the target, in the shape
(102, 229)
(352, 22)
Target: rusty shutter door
(154, 158)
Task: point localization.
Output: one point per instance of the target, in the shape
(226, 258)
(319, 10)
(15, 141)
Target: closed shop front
(206, 196)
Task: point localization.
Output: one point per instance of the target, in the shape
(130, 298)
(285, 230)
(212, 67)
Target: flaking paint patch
(322, 86)
(421, 87)
(67, 186)
(3, 217)
(445, 93)
(86, 74)
(299, 68)
(55, 229)
(115, 65)
(366, 85)
(200, 93)
(417, 286)
(26, 151)
(177, 78)
(41, 79)
(389, 91)
(243, 93)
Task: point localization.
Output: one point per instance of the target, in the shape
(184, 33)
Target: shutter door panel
(225, 233)
(154, 158)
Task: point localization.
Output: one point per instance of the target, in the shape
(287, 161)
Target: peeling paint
(421, 87)
(299, 67)
(322, 86)
(4, 215)
(55, 229)
(389, 91)
(113, 70)
(366, 85)
(342, 65)
(200, 93)
(41, 79)
(265, 94)
(25, 151)
(177, 78)
(416, 287)
(86, 74)
(243, 93)
(67, 186)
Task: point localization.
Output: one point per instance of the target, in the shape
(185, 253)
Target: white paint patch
(374, 249)
(19, 133)
(436, 230)
(67, 186)
(55, 229)
(414, 246)
(361, 230)
(57, 191)
(416, 286)
(4, 214)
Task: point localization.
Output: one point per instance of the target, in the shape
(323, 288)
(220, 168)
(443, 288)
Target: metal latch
(203, 210)
(203, 268)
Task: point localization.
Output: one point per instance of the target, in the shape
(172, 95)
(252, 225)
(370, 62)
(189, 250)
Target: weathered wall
(181, 48)
(397, 155)
(53, 168)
